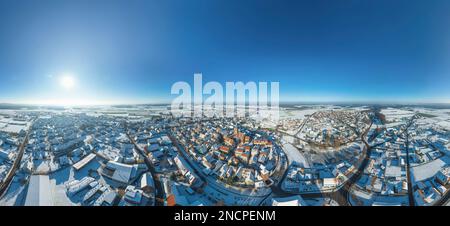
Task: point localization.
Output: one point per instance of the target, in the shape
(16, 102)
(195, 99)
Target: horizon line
(312, 102)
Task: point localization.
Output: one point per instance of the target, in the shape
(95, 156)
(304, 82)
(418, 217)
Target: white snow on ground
(438, 117)
(368, 199)
(58, 179)
(13, 128)
(394, 124)
(365, 199)
(436, 112)
(428, 170)
(302, 112)
(294, 155)
(393, 114)
(10, 125)
(59, 195)
(444, 124)
(15, 195)
(287, 139)
(296, 114)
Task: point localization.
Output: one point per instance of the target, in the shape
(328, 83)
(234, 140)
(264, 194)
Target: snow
(9, 125)
(296, 114)
(294, 155)
(428, 170)
(13, 128)
(393, 171)
(391, 200)
(39, 191)
(59, 178)
(393, 115)
(444, 124)
(15, 195)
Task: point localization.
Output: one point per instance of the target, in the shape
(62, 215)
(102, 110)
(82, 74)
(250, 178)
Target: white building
(147, 183)
(39, 191)
(119, 172)
(329, 182)
(296, 200)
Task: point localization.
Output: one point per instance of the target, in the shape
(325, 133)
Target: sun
(67, 82)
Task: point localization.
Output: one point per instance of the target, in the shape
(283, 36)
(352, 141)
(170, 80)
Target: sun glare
(67, 82)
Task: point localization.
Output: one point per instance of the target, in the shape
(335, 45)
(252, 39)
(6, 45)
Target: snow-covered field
(395, 114)
(428, 170)
(301, 112)
(296, 114)
(10, 125)
(434, 117)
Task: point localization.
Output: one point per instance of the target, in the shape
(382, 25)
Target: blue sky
(133, 51)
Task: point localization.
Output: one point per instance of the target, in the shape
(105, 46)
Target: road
(204, 178)
(159, 196)
(408, 167)
(21, 149)
(342, 194)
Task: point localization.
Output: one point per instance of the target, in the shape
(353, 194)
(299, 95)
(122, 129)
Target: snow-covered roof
(39, 191)
(296, 200)
(147, 180)
(393, 171)
(122, 172)
(80, 164)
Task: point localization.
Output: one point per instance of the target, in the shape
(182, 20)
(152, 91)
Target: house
(443, 176)
(158, 154)
(329, 182)
(132, 196)
(179, 198)
(224, 149)
(4, 155)
(77, 185)
(147, 183)
(119, 172)
(386, 204)
(80, 164)
(153, 147)
(109, 198)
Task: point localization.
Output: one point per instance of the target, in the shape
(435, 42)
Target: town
(143, 155)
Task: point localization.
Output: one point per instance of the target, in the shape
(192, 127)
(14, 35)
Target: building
(78, 185)
(80, 164)
(39, 191)
(147, 183)
(296, 200)
(4, 155)
(132, 196)
(386, 204)
(443, 176)
(330, 182)
(177, 198)
(119, 172)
